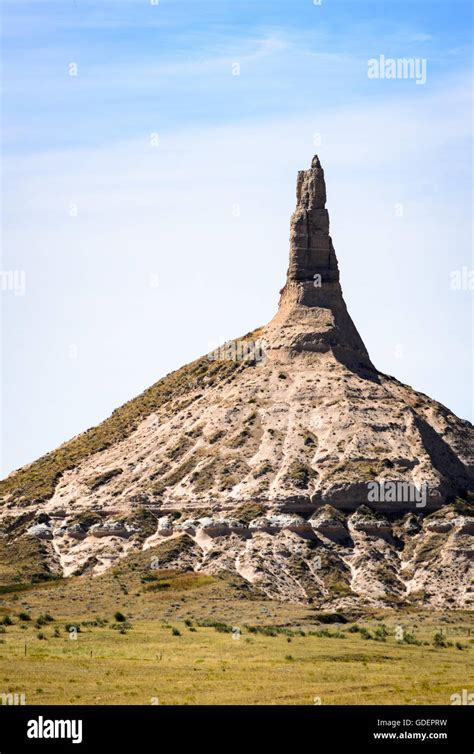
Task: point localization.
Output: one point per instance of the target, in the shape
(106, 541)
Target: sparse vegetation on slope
(38, 480)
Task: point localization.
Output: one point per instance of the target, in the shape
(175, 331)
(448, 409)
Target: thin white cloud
(420, 37)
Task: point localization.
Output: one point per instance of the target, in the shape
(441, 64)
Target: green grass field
(176, 646)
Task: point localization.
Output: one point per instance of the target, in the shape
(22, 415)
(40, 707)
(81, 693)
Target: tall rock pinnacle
(312, 314)
(311, 249)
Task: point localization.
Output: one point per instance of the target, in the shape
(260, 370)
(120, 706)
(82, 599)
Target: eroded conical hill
(238, 452)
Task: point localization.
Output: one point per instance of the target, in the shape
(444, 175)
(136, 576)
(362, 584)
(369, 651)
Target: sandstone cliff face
(287, 458)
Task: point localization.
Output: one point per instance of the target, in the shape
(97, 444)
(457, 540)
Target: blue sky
(135, 260)
(169, 63)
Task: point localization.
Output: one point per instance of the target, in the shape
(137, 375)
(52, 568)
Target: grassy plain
(174, 644)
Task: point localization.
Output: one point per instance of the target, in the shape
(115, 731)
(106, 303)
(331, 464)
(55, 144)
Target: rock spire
(312, 314)
(311, 249)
